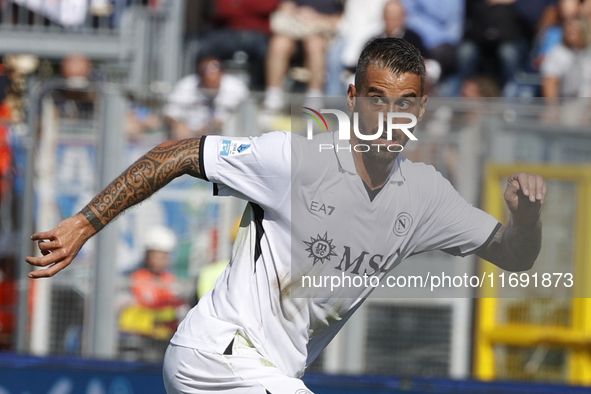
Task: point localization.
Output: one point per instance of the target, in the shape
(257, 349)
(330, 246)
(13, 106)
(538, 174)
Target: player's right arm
(151, 172)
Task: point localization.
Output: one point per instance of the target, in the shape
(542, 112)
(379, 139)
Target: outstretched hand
(60, 245)
(525, 195)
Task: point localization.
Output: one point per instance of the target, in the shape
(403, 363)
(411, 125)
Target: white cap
(160, 238)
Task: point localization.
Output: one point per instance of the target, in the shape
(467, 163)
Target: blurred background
(88, 86)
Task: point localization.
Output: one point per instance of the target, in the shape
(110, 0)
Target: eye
(377, 100)
(404, 104)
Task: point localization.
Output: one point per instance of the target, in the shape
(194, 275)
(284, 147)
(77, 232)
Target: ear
(423, 107)
(351, 97)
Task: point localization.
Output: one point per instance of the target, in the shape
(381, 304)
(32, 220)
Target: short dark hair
(394, 54)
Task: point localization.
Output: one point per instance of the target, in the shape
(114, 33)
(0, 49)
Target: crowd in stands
(532, 48)
(462, 41)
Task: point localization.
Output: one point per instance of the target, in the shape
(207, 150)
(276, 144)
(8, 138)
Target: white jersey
(310, 214)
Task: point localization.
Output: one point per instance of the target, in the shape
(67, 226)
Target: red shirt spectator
(245, 14)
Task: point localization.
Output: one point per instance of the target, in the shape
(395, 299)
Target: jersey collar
(345, 158)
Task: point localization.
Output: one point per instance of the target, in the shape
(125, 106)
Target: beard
(378, 151)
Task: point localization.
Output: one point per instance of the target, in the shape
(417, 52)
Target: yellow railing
(575, 335)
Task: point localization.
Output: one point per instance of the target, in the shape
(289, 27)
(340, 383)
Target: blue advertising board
(20, 374)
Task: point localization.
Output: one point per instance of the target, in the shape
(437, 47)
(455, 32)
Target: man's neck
(373, 173)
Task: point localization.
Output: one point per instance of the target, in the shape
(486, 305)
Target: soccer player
(310, 212)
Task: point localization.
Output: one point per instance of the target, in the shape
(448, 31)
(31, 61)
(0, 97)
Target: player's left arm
(516, 246)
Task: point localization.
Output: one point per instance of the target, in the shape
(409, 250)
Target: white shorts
(192, 371)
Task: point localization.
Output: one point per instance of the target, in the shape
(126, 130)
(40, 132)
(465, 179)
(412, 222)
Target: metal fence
(83, 16)
(142, 38)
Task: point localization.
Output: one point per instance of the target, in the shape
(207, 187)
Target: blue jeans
(508, 55)
(334, 86)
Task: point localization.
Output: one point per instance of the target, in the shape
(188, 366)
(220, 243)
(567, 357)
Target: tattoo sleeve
(514, 247)
(143, 178)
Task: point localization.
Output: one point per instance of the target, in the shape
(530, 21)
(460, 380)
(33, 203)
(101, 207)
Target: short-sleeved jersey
(311, 214)
(572, 67)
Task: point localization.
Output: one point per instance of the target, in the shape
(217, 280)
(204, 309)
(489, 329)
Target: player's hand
(525, 195)
(60, 245)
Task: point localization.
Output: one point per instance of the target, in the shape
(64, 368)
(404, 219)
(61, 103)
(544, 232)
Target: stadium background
(63, 335)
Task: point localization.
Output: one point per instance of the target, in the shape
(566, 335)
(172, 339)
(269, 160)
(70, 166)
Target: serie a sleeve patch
(235, 148)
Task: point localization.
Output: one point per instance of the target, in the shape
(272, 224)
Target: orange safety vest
(154, 314)
(153, 290)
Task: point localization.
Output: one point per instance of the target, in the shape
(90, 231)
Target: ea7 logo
(345, 124)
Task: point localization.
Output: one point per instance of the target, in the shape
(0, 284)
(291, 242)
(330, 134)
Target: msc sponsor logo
(355, 262)
(366, 263)
(320, 248)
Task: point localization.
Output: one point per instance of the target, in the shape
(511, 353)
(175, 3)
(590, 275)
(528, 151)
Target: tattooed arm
(142, 179)
(515, 247)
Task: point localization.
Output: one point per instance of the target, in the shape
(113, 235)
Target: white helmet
(160, 238)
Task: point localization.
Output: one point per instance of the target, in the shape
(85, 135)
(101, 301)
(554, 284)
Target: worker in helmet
(153, 317)
(153, 285)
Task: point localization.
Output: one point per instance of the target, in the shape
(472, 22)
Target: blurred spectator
(240, 26)
(361, 21)
(4, 82)
(75, 100)
(492, 28)
(76, 70)
(5, 119)
(8, 301)
(440, 24)
(566, 69)
(552, 36)
(5, 152)
(140, 119)
(308, 21)
(70, 14)
(480, 86)
(153, 285)
(535, 16)
(153, 313)
(395, 26)
(18, 67)
(200, 103)
(394, 17)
